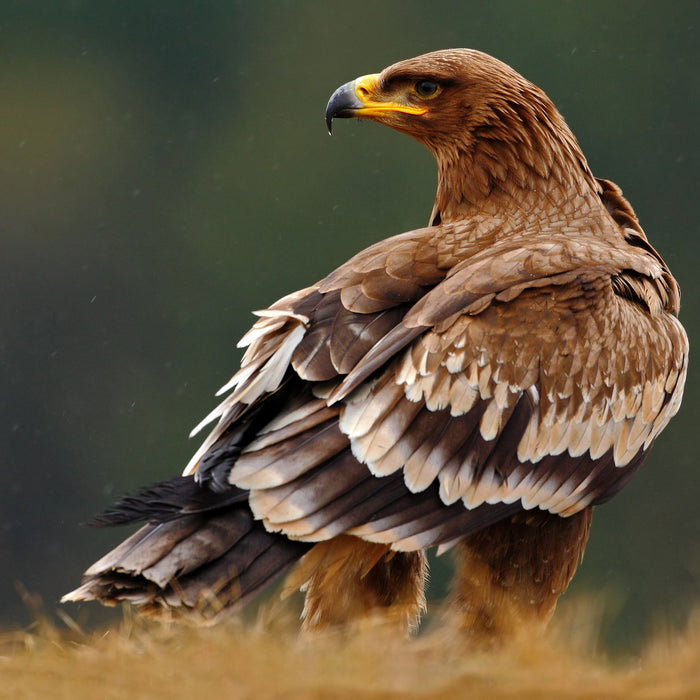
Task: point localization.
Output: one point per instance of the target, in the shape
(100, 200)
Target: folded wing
(423, 400)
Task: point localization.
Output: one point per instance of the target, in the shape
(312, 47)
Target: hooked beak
(362, 98)
(343, 104)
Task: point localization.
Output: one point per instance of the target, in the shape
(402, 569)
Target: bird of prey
(480, 384)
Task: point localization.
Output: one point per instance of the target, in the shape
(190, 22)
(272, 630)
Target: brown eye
(426, 88)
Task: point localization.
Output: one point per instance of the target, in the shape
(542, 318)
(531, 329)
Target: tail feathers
(206, 560)
(165, 501)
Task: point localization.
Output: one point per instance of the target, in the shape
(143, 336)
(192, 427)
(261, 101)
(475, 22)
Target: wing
(411, 400)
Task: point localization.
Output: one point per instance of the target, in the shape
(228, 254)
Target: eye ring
(426, 88)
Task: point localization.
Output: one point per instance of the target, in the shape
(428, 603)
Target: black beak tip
(343, 104)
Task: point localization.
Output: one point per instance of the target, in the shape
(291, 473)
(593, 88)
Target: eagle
(478, 385)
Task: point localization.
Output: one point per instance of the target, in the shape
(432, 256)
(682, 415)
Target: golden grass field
(266, 658)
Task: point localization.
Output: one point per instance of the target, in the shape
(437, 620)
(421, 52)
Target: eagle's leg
(510, 575)
(347, 579)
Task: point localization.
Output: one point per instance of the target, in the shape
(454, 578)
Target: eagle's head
(490, 129)
(436, 97)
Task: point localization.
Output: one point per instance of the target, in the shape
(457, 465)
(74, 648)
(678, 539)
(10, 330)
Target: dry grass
(267, 659)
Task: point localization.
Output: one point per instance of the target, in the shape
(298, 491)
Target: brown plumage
(482, 382)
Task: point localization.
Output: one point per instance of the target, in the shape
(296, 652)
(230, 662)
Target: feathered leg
(346, 579)
(510, 575)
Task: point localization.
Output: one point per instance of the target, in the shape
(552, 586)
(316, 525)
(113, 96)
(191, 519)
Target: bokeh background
(164, 169)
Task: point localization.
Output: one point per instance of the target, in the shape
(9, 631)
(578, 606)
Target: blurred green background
(165, 169)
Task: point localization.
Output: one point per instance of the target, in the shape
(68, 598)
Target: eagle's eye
(425, 88)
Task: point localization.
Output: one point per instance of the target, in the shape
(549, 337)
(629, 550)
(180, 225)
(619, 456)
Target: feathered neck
(513, 152)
